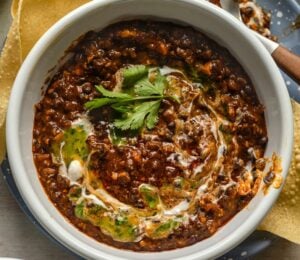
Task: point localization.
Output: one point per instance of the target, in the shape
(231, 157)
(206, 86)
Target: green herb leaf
(162, 229)
(98, 102)
(79, 211)
(145, 88)
(134, 73)
(150, 195)
(165, 229)
(71, 146)
(119, 228)
(160, 83)
(135, 120)
(142, 107)
(122, 108)
(152, 117)
(175, 98)
(112, 94)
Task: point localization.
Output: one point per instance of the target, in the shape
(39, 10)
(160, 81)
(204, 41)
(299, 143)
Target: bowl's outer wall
(94, 16)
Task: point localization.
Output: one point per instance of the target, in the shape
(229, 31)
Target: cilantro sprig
(139, 108)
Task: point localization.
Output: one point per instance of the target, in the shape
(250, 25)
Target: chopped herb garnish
(122, 229)
(72, 145)
(140, 108)
(79, 211)
(163, 229)
(150, 195)
(95, 209)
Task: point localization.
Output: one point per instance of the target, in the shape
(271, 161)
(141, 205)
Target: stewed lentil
(152, 189)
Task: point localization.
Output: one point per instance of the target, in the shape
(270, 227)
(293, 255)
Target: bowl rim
(19, 172)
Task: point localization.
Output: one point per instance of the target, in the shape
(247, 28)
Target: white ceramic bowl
(95, 15)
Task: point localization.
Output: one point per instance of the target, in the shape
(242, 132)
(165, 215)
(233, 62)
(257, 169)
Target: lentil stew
(150, 136)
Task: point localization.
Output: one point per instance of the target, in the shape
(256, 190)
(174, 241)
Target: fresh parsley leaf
(140, 108)
(175, 98)
(135, 120)
(111, 94)
(152, 117)
(160, 83)
(122, 107)
(134, 73)
(110, 97)
(145, 88)
(98, 102)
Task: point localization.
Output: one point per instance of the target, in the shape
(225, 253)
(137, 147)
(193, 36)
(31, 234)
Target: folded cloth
(284, 218)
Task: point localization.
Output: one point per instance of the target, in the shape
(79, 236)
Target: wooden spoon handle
(288, 62)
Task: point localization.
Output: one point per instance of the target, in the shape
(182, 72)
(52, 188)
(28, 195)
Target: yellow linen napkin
(10, 62)
(284, 218)
(31, 18)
